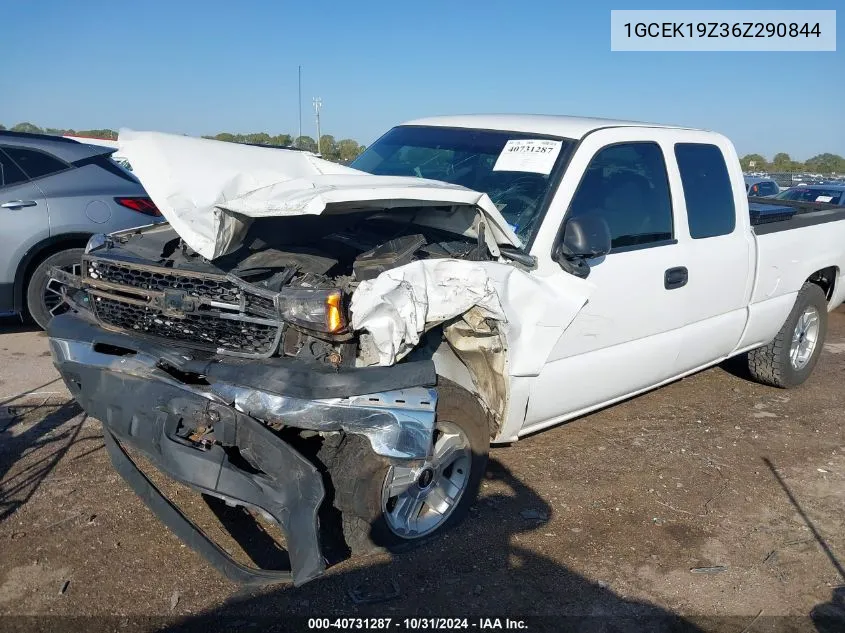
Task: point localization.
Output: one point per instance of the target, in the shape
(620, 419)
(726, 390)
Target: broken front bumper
(154, 399)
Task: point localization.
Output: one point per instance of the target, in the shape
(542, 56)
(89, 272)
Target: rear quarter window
(707, 190)
(10, 174)
(768, 188)
(35, 163)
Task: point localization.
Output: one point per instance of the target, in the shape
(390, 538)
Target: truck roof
(552, 124)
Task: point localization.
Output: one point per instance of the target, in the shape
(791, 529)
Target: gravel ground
(713, 503)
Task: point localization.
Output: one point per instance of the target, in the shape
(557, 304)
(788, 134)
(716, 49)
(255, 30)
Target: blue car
(831, 194)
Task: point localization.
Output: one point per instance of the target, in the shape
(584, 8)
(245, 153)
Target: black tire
(771, 364)
(37, 304)
(358, 476)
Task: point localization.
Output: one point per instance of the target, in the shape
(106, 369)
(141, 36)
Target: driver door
(628, 335)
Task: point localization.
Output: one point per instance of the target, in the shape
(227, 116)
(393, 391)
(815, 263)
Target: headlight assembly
(321, 310)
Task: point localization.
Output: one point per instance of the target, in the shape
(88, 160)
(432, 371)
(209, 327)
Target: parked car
(831, 194)
(371, 332)
(760, 187)
(54, 194)
(116, 157)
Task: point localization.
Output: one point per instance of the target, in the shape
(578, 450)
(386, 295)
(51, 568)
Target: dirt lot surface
(713, 503)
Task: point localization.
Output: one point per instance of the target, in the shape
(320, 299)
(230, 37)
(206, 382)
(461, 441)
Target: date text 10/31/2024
(417, 624)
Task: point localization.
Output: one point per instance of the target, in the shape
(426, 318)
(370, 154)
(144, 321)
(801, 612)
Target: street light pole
(318, 103)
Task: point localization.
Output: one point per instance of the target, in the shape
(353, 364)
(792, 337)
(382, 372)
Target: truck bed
(771, 216)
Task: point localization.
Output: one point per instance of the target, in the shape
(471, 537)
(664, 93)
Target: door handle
(18, 204)
(675, 277)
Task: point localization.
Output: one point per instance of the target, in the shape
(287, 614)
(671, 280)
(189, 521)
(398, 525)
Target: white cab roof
(553, 125)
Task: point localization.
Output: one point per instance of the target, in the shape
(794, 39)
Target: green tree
(224, 136)
(348, 150)
(760, 163)
(782, 161)
(826, 164)
(106, 134)
(27, 127)
(307, 143)
(258, 138)
(328, 147)
(282, 140)
(2, 127)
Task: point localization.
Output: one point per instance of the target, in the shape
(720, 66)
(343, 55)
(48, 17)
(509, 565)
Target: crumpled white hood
(210, 190)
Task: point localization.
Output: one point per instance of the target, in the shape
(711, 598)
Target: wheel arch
(37, 254)
(826, 280)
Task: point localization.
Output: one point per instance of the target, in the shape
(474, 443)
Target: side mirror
(584, 237)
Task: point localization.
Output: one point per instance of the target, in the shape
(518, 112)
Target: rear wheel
(397, 505)
(790, 358)
(44, 298)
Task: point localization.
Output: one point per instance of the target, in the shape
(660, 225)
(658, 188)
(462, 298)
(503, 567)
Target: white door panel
(630, 302)
(710, 339)
(627, 337)
(584, 381)
(639, 330)
(721, 267)
(623, 340)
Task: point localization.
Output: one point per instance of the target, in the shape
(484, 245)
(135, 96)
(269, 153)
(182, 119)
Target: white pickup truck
(308, 340)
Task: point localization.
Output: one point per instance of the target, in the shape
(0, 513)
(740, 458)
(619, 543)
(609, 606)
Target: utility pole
(296, 144)
(318, 103)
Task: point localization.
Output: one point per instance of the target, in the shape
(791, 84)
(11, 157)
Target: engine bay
(291, 276)
(348, 248)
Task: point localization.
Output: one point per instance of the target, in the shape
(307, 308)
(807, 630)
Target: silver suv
(54, 194)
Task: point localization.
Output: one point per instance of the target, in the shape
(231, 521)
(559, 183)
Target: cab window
(707, 190)
(626, 184)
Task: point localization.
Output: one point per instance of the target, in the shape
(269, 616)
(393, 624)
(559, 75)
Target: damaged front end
(290, 302)
(196, 419)
(207, 374)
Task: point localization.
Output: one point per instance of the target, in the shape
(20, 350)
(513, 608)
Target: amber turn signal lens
(334, 312)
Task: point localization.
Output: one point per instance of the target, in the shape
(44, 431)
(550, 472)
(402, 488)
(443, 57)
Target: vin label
(745, 30)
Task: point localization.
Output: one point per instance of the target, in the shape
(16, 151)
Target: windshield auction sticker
(745, 30)
(537, 156)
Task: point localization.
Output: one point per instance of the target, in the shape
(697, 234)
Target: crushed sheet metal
(210, 190)
(533, 311)
(396, 306)
(478, 343)
(398, 424)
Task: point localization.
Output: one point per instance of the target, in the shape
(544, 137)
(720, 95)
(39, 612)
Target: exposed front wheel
(44, 298)
(790, 358)
(396, 505)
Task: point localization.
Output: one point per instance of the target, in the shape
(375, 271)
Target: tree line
(347, 149)
(820, 164)
(343, 150)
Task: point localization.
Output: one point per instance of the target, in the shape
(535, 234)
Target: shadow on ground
(458, 575)
(15, 325)
(18, 488)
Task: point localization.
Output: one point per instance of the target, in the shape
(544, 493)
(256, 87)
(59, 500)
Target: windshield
(517, 176)
(816, 194)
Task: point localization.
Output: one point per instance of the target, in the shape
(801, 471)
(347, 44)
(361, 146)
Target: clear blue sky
(207, 67)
